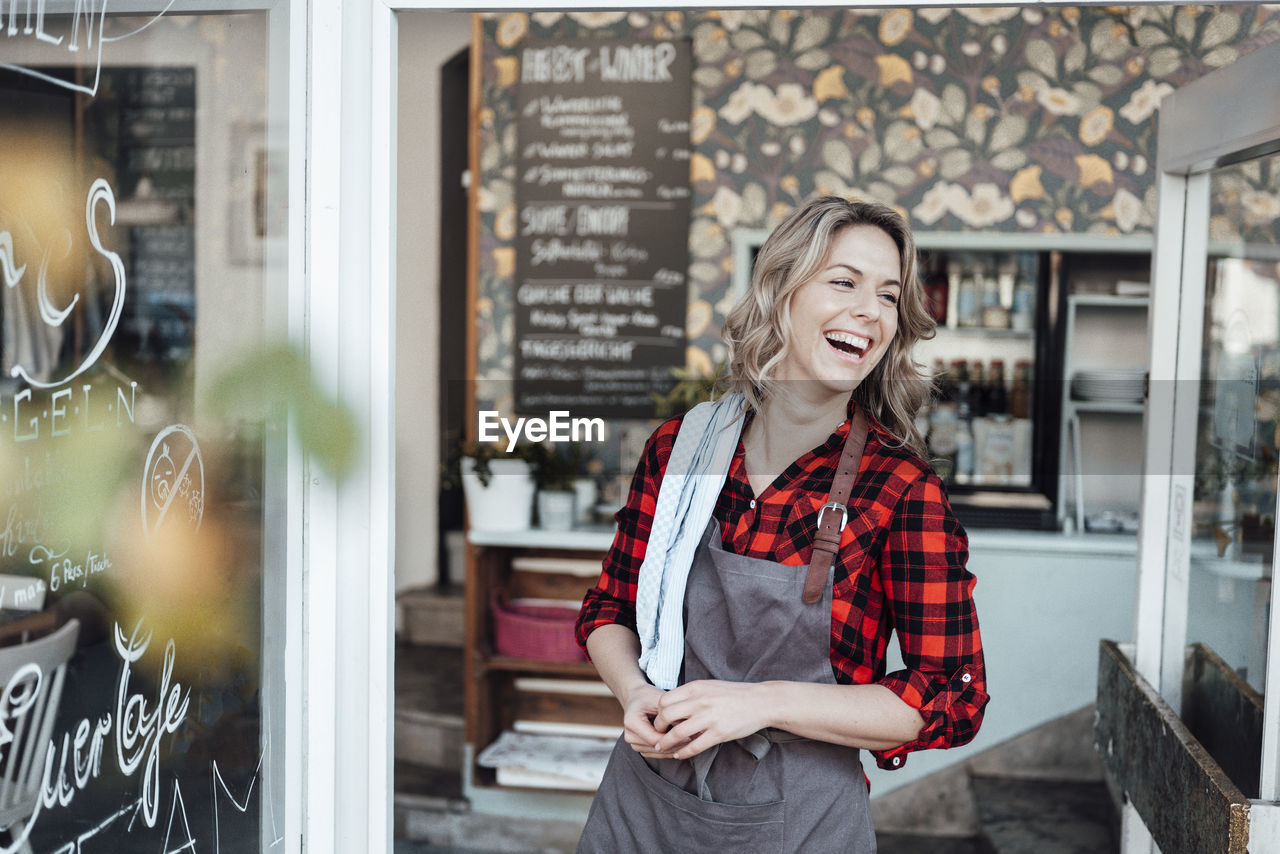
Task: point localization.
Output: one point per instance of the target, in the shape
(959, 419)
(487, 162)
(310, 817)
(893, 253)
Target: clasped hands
(686, 720)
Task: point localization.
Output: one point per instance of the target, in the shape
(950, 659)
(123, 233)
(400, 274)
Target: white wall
(427, 40)
(1042, 611)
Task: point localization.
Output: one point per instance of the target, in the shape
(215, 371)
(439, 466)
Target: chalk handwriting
(22, 593)
(241, 806)
(557, 64)
(135, 728)
(100, 191)
(34, 476)
(639, 63)
(64, 572)
(62, 412)
(20, 529)
(26, 22)
(178, 803)
(138, 731)
(76, 847)
(12, 274)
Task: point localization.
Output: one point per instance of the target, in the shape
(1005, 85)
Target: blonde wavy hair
(757, 331)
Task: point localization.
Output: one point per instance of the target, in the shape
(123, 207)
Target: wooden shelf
(538, 564)
(1107, 407)
(532, 665)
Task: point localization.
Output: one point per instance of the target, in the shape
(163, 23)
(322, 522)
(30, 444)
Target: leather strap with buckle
(834, 515)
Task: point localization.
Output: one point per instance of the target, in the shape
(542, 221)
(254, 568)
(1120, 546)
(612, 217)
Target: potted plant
(498, 486)
(554, 471)
(690, 388)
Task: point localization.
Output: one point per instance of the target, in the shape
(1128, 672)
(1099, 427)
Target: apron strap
(826, 542)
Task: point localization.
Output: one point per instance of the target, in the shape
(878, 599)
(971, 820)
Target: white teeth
(850, 339)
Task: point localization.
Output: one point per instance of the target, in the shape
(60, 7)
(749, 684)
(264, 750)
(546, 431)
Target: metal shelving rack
(1071, 446)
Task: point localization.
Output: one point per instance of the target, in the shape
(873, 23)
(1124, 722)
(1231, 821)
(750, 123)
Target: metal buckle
(835, 505)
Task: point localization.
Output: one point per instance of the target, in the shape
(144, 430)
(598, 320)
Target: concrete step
(943, 804)
(1021, 815)
(430, 616)
(915, 843)
(430, 740)
(442, 827)
(429, 727)
(427, 787)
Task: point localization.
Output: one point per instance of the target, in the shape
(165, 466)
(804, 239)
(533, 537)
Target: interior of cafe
(331, 336)
(1021, 143)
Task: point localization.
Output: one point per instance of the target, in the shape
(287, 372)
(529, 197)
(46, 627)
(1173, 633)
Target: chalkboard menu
(603, 225)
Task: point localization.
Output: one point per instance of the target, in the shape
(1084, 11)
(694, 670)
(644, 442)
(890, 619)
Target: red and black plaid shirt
(901, 566)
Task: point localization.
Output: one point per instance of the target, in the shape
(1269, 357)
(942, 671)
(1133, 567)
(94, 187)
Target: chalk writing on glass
(12, 274)
(77, 847)
(100, 191)
(62, 412)
(134, 725)
(174, 470)
(53, 40)
(178, 804)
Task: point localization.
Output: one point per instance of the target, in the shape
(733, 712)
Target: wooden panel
(491, 703)
(546, 585)
(1186, 800)
(539, 706)
(1225, 715)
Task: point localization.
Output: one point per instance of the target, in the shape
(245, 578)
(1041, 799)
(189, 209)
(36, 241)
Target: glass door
(144, 160)
(1206, 602)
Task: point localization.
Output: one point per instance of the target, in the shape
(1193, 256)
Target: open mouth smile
(849, 346)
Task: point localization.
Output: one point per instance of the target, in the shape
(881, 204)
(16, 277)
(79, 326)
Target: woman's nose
(865, 304)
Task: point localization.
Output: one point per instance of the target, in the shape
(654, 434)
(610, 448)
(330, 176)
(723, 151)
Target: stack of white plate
(1110, 385)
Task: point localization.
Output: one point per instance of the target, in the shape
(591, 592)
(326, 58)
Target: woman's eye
(844, 283)
(890, 298)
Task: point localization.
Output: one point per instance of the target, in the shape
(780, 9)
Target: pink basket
(544, 632)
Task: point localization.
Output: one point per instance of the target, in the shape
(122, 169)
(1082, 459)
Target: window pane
(1238, 427)
(142, 226)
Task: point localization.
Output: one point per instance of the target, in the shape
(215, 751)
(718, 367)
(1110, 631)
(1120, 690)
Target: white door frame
(349, 334)
(1228, 116)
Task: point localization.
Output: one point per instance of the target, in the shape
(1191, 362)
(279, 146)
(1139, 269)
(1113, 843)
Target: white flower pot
(555, 510)
(584, 500)
(506, 504)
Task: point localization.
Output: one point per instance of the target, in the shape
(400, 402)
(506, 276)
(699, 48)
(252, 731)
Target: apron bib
(746, 621)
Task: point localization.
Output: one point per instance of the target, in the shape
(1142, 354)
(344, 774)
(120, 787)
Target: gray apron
(771, 791)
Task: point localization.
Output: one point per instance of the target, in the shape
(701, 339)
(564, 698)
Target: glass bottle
(1023, 315)
(964, 417)
(968, 305)
(935, 289)
(997, 397)
(942, 424)
(994, 314)
(978, 396)
(1020, 399)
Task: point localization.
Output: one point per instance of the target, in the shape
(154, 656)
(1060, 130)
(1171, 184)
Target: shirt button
(966, 678)
(753, 504)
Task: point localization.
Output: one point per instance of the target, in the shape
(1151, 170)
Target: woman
(751, 664)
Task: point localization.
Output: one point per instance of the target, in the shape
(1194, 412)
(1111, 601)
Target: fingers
(640, 732)
(697, 745)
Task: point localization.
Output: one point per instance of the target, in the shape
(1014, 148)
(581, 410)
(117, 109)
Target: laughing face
(843, 319)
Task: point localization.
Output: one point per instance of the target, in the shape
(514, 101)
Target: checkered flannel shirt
(901, 566)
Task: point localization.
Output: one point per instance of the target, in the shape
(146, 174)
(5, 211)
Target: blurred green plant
(258, 384)
(690, 389)
(556, 467)
(482, 453)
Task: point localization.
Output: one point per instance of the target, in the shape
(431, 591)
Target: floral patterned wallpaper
(1001, 119)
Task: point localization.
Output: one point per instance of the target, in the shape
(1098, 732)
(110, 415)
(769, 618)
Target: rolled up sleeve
(929, 592)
